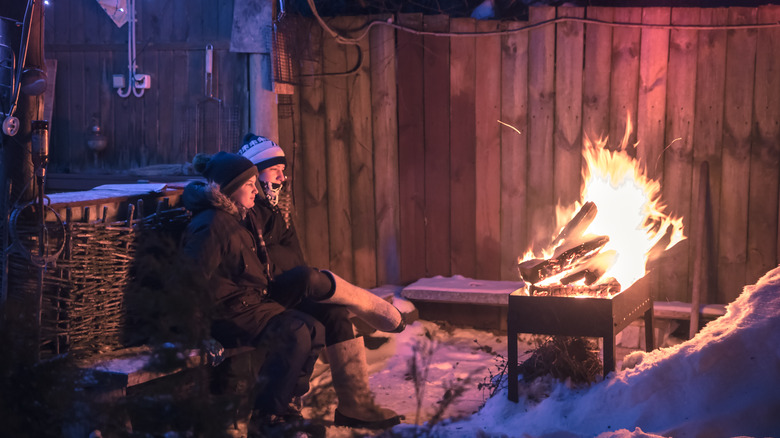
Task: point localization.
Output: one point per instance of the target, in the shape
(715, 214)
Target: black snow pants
(303, 288)
(293, 341)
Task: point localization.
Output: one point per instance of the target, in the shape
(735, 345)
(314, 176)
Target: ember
(602, 290)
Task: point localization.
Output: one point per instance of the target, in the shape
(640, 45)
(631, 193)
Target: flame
(630, 213)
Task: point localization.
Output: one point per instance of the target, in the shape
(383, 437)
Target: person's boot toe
(382, 419)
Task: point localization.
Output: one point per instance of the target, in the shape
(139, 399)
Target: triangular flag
(116, 9)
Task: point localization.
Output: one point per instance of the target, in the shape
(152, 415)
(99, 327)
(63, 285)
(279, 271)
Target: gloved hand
(213, 352)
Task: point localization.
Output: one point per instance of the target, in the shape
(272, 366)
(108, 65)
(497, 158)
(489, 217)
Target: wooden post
(698, 262)
(264, 114)
(385, 136)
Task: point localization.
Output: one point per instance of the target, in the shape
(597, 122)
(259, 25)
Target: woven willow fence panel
(82, 306)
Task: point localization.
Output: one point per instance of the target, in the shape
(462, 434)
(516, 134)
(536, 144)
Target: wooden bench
(129, 367)
(108, 379)
(681, 310)
(112, 373)
(483, 303)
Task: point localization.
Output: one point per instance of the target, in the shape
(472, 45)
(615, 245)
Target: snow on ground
(460, 357)
(725, 382)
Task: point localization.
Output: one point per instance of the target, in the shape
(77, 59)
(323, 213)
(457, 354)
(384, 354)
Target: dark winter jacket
(220, 249)
(280, 238)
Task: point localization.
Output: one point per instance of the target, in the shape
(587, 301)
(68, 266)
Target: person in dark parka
(219, 248)
(322, 294)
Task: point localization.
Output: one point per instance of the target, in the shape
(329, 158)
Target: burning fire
(612, 233)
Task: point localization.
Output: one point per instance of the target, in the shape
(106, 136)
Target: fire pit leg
(609, 354)
(649, 333)
(512, 366)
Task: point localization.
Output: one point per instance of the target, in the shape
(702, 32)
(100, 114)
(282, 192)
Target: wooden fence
(438, 187)
(174, 119)
(401, 170)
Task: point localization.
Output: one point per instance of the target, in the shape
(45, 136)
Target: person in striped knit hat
(320, 293)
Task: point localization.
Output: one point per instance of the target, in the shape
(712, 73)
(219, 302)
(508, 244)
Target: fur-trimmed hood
(199, 196)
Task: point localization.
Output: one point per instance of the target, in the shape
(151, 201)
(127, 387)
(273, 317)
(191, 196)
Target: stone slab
(462, 290)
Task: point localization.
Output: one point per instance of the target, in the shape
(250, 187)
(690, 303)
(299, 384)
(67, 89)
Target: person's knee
(318, 284)
(338, 325)
(305, 332)
(305, 280)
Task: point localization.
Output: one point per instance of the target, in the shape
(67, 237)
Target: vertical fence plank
(92, 74)
(436, 95)
(224, 16)
(462, 148)
(61, 116)
(541, 91)
(289, 138)
(649, 100)
(361, 154)
(205, 139)
(78, 119)
(625, 76)
(740, 73)
(181, 141)
(678, 172)
(93, 13)
(338, 135)
(153, 22)
(230, 85)
(411, 148)
(765, 151)
(151, 114)
(385, 130)
(514, 148)
(298, 174)
(313, 156)
(596, 75)
(212, 21)
(568, 108)
(57, 28)
(167, 112)
(78, 32)
(708, 126)
(107, 95)
(651, 106)
(180, 28)
(117, 151)
(487, 103)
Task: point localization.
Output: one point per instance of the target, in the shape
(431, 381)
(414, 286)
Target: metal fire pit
(576, 316)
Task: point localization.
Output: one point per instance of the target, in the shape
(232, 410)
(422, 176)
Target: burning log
(658, 249)
(536, 272)
(593, 269)
(604, 289)
(578, 224)
(590, 276)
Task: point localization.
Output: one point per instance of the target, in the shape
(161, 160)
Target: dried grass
(573, 358)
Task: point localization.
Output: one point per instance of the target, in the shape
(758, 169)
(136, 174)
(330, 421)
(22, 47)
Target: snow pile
(724, 382)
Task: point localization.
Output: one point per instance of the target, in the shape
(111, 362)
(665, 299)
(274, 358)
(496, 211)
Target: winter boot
(356, 406)
(365, 305)
(276, 426)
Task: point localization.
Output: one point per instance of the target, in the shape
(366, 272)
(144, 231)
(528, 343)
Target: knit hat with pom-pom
(262, 152)
(230, 171)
